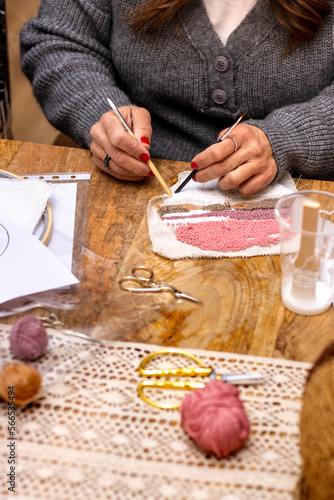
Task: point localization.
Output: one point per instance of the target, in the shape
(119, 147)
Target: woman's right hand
(128, 154)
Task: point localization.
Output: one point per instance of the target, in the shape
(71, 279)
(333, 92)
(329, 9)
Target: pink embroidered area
(229, 235)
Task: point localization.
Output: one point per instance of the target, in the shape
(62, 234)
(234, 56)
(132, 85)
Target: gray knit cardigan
(77, 53)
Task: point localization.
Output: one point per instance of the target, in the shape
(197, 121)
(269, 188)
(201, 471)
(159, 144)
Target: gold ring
(234, 142)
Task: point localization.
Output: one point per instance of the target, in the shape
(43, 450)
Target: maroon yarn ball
(28, 338)
(214, 417)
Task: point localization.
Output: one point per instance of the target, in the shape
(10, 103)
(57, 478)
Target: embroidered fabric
(90, 436)
(200, 221)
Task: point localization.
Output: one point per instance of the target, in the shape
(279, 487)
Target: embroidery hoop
(47, 217)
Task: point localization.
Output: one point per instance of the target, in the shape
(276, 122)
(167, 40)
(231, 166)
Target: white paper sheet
(26, 265)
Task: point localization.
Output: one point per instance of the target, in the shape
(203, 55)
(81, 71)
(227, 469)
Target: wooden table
(242, 310)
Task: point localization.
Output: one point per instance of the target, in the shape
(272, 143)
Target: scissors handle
(141, 286)
(172, 352)
(139, 275)
(190, 371)
(142, 278)
(172, 384)
(159, 384)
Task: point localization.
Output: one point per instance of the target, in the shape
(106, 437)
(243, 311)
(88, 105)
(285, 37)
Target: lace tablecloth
(89, 436)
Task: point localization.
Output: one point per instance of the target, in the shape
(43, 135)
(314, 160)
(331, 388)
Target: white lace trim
(90, 436)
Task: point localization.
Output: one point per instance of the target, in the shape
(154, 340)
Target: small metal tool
(145, 284)
(53, 321)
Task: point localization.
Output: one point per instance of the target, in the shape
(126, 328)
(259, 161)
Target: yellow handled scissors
(192, 371)
(141, 280)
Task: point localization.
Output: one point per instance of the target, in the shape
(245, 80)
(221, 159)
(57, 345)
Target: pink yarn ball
(215, 419)
(28, 338)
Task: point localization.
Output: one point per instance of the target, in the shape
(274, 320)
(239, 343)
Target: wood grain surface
(241, 309)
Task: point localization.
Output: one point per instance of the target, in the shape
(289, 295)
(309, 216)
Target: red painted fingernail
(194, 178)
(150, 174)
(193, 165)
(144, 157)
(145, 140)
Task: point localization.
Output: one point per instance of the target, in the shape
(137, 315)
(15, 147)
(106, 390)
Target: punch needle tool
(194, 172)
(151, 166)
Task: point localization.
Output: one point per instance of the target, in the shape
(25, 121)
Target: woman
(182, 71)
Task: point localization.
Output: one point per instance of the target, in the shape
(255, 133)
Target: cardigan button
(219, 96)
(220, 63)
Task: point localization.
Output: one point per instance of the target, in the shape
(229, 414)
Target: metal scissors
(142, 279)
(192, 371)
(53, 321)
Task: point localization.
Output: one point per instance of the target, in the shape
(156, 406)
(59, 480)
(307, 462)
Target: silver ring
(106, 162)
(234, 142)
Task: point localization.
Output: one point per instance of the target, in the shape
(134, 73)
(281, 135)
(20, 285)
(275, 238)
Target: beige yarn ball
(25, 380)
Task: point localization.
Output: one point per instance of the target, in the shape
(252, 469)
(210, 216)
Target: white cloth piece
(162, 232)
(24, 201)
(226, 15)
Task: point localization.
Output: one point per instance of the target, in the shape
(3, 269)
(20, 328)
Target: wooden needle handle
(158, 176)
(153, 168)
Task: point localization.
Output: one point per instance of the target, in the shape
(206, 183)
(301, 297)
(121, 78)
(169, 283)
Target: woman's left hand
(250, 168)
